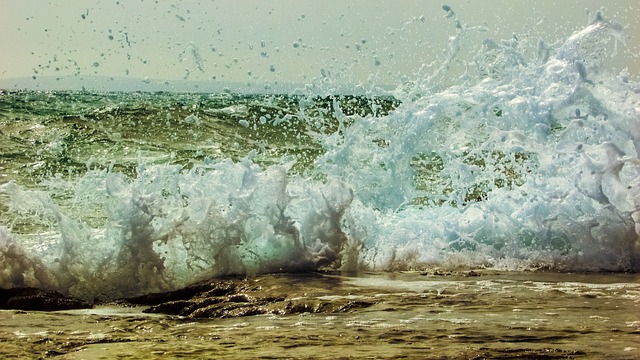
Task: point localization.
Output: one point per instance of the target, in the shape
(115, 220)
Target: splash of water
(531, 161)
(168, 227)
(527, 163)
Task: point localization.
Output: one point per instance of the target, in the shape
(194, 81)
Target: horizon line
(103, 83)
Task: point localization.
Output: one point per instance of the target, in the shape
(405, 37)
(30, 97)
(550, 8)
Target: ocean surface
(530, 162)
(399, 315)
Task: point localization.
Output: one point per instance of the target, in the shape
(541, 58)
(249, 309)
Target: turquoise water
(530, 161)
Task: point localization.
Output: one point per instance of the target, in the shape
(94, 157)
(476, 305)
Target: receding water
(414, 316)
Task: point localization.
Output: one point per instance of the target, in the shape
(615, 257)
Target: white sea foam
(168, 227)
(536, 161)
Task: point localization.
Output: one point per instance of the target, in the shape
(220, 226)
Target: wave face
(529, 161)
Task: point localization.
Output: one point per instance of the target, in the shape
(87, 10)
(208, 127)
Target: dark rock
(39, 300)
(301, 307)
(170, 307)
(223, 310)
(354, 305)
(241, 298)
(227, 298)
(203, 289)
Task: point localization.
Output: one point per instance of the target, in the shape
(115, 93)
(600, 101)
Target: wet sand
(412, 315)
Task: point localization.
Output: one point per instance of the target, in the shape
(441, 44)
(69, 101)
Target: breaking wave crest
(531, 161)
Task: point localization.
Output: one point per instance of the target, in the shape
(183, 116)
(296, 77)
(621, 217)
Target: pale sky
(267, 41)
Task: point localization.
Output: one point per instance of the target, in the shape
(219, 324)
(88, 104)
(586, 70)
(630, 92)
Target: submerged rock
(229, 298)
(38, 300)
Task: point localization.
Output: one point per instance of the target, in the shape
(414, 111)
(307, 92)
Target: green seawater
(45, 134)
(50, 139)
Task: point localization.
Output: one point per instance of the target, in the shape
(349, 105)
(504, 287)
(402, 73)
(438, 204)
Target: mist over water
(530, 160)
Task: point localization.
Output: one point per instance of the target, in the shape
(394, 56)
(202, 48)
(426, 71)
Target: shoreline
(410, 315)
(33, 299)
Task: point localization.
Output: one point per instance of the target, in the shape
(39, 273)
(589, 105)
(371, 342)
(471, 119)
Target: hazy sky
(260, 41)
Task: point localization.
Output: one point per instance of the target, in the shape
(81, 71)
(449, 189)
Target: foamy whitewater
(529, 161)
